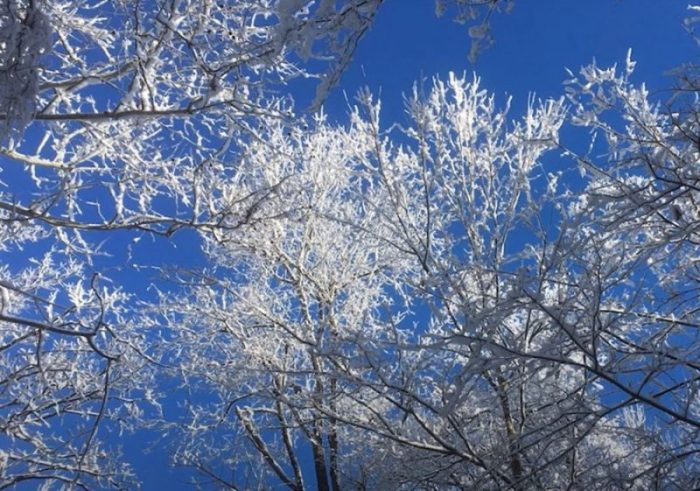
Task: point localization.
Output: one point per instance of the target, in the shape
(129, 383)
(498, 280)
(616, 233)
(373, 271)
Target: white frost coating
(418, 301)
(690, 21)
(24, 37)
(286, 12)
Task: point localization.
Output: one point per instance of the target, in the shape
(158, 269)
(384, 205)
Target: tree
(283, 299)
(642, 208)
(120, 115)
(447, 311)
(431, 306)
(117, 118)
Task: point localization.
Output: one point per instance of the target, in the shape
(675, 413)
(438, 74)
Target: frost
(25, 35)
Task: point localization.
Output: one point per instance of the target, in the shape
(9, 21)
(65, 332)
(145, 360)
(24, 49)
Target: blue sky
(533, 46)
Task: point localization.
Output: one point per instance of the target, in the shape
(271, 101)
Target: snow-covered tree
(122, 115)
(436, 307)
(435, 304)
(289, 295)
(634, 276)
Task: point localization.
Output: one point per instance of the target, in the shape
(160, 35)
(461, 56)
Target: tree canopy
(459, 300)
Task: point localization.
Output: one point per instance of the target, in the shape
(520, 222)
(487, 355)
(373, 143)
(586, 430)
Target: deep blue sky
(533, 46)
